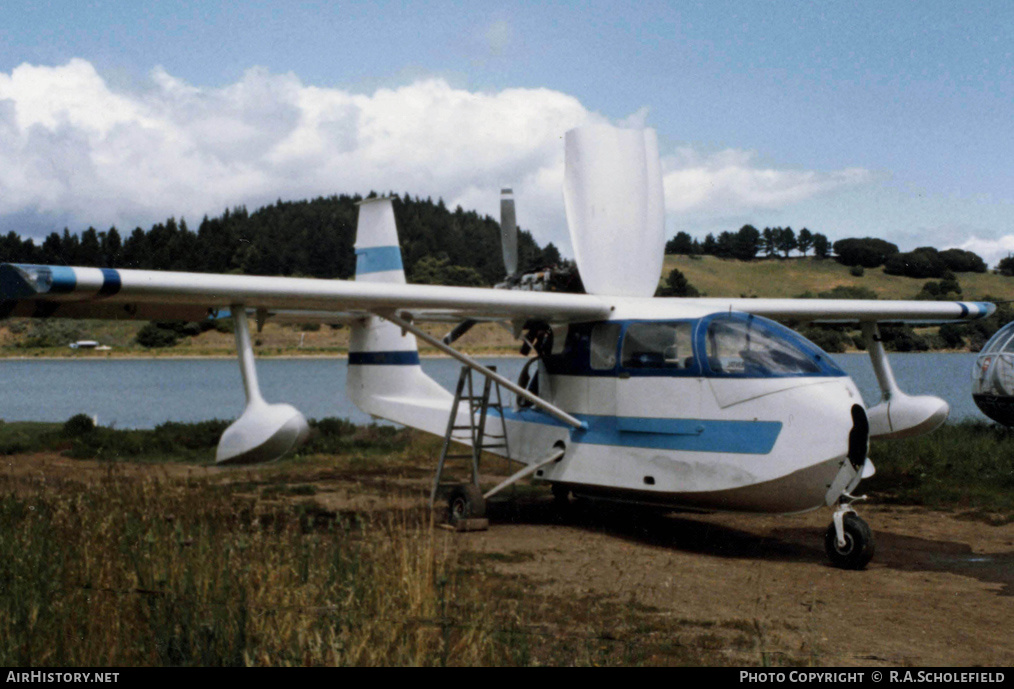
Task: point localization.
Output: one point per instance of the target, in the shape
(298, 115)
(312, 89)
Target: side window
(658, 345)
(560, 334)
(603, 346)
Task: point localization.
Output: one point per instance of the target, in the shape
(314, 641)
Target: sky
(888, 119)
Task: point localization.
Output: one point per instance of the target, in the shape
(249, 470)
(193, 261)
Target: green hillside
(720, 277)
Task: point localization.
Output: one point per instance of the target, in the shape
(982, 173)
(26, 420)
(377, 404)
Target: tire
(858, 549)
(465, 502)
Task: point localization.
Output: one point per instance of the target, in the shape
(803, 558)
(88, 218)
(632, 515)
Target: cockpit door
(659, 374)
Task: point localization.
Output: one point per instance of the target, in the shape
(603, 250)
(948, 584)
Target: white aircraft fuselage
(715, 411)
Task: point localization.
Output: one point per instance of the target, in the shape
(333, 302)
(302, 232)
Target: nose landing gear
(848, 541)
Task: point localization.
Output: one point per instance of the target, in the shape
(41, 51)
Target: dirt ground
(939, 591)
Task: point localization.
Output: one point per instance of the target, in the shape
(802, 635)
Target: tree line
(310, 238)
(867, 252)
(748, 242)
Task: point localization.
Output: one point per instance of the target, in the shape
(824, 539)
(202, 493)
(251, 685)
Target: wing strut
(528, 470)
(550, 409)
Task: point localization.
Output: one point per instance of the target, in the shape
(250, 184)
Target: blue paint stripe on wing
(63, 280)
(688, 435)
(404, 358)
(377, 259)
(111, 282)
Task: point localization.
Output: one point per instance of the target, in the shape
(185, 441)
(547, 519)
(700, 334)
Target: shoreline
(500, 354)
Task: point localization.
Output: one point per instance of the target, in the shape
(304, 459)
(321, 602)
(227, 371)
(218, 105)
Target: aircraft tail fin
(385, 378)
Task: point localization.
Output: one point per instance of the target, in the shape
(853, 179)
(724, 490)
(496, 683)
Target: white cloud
(728, 182)
(74, 149)
(991, 250)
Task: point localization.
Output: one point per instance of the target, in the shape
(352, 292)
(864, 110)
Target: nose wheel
(848, 541)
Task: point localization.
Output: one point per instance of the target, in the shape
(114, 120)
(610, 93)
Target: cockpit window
(752, 347)
(602, 348)
(658, 345)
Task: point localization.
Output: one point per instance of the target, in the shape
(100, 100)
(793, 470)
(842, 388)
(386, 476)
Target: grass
(967, 466)
(175, 575)
(719, 277)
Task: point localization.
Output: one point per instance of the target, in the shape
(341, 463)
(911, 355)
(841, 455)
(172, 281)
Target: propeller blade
(508, 232)
(458, 330)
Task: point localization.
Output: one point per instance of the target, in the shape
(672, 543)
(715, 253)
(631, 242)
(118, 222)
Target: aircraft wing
(855, 310)
(69, 292)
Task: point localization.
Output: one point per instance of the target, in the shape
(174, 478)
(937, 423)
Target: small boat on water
(89, 344)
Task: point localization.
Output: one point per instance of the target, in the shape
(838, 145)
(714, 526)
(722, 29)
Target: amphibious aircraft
(703, 404)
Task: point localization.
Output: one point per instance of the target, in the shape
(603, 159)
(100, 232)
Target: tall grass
(179, 573)
(968, 465)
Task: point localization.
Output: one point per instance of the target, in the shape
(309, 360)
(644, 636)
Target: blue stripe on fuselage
(689, 435)
(404, 358)
(377, 259)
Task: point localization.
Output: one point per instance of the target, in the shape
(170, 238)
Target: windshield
(754, 347)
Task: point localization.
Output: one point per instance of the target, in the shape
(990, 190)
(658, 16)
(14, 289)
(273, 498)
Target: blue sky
(888, 119)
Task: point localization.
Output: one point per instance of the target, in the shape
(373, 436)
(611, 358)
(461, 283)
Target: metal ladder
(477, 431)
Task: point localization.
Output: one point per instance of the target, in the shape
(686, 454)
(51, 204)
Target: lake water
(130, 393)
